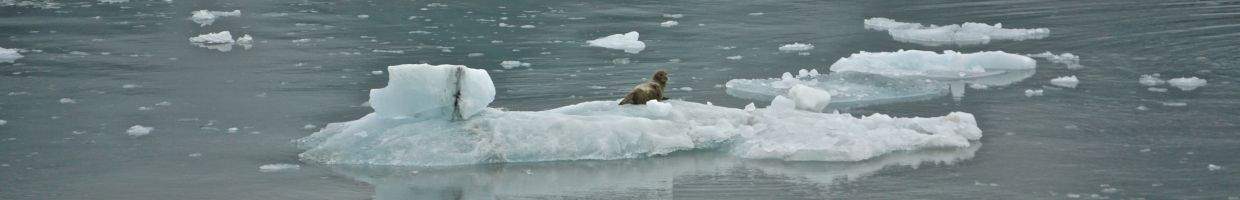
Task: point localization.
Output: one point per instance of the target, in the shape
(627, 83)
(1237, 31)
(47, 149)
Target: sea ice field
(355, 99)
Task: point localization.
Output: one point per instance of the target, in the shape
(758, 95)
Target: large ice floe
(436, 115)
(968, 33)
(887, 77)
(9, 55)
(628, 42)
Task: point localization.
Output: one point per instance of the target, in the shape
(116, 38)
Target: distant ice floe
(1187, 84)
(968, 33)
(628, 42)
(1033, 92)
(669, 23)
(207, 17)
(1066, 81)
(796, 47)
(510, 64)
(9, 55)
(139, 130)
(420, 120)
(887, 77)
(278, 167)
(1151, 80)
(1067, 59)
(222, 41)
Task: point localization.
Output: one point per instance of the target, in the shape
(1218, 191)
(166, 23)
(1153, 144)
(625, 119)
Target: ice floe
(669, 23)
(139, 130)
(1187, 84)
(278, 167)
(796, 47)
(207, 17)
(1065, 81)
(946, 65)
(1067, 59)
(968, 33)
(510, 64)
(628, 42)
(1033, 92)
(9, 55)
(412, 125)
(847, 89)
(1151, 80)
(222, 37)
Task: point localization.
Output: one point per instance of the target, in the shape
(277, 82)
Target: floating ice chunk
(278, 167)
(527, 26)
(422, 90)
(309, 127)
(756, 14)
(968, 33)
(628, 42)
(363, 16)
(139, 130)
(669, 23)
(1033, 92)
(673, 16)
(736, 57)
(1175, 104)
(604, 130)
(1151, 80)
(245, 40)
(1187, 84)
(206, 17)
(67, 101)
(1154, 89)
(946, 65)
(848, 89)
(808, 98)
(1067, 59)
(3, 122)
(796, 47)
(1213, 167)
(113, 1)
(376, 72)
(222, 37)
(686, 88)
(9, 55)
(163, 103)
(1065, 81)
(510, 64)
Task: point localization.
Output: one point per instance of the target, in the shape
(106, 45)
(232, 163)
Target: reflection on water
(701, 174)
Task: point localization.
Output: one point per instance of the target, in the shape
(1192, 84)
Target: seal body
(650, 90)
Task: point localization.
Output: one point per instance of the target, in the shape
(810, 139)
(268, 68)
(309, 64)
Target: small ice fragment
(163, 103)
(245, 40)
(1175, 104)
(1154, 89)
(756, 14)
(669, 23)
(222, 37)
(2, 122)
(67, 101)
(673, 16)
(527, 26)
(809, 98)
(129, 86)
(1067, 59)
(736, 57)
(1151, 80)
(1142, 108)
(1213, 167)
(1066, 81)
(686, 88)
(628, 42)
(233, 130)
(471, 55)
(9, 55)
(363, 16)
(796, 47)
(1145, 150)
(144, 108)
(1187, 84)
(750, 107)
(376, 72)
(309, 127)
(278, 167)
(195, 155)
(510, 64)
(139, 130)
(1032, 92)
(206, 17)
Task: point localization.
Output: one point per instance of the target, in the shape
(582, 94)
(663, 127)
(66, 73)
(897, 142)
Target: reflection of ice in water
(649, 177)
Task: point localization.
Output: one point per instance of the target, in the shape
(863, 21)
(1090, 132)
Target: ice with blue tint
(413, 126)
(847, 89)
(9, 55)
(928, 64)
(628, 42)
(968, 33)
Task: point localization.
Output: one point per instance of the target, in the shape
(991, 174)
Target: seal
(650, 90)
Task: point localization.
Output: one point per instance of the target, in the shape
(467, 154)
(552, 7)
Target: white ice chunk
(278, 167)
(673, 16)
(968, 33)
(1065, 81)
(1187, 84)
(222, 37)
(796, 47)
(847, 89)
(139, 130)
(245, 39)
(3, 122)
(1213, 167)
(1067, 59)
(510, 64)
(1033, 92)
(1151, 80)
(601, 130)
(67, 101)
(422, 90)
(669, 23)
(9, 55)
(808, 98)
(628, 42)
(946, 65)
(206, 17)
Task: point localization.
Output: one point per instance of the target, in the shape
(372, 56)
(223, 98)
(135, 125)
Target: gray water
(1087, 142)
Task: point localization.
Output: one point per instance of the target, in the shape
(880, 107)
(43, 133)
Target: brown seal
(650, 90)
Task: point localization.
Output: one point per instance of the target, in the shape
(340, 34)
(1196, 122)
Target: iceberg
(847, 89)
(222, 37)
(628, 42)
(207, 17)
(436, 115)
(9, 55)
(968, 33)
(945, 66)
